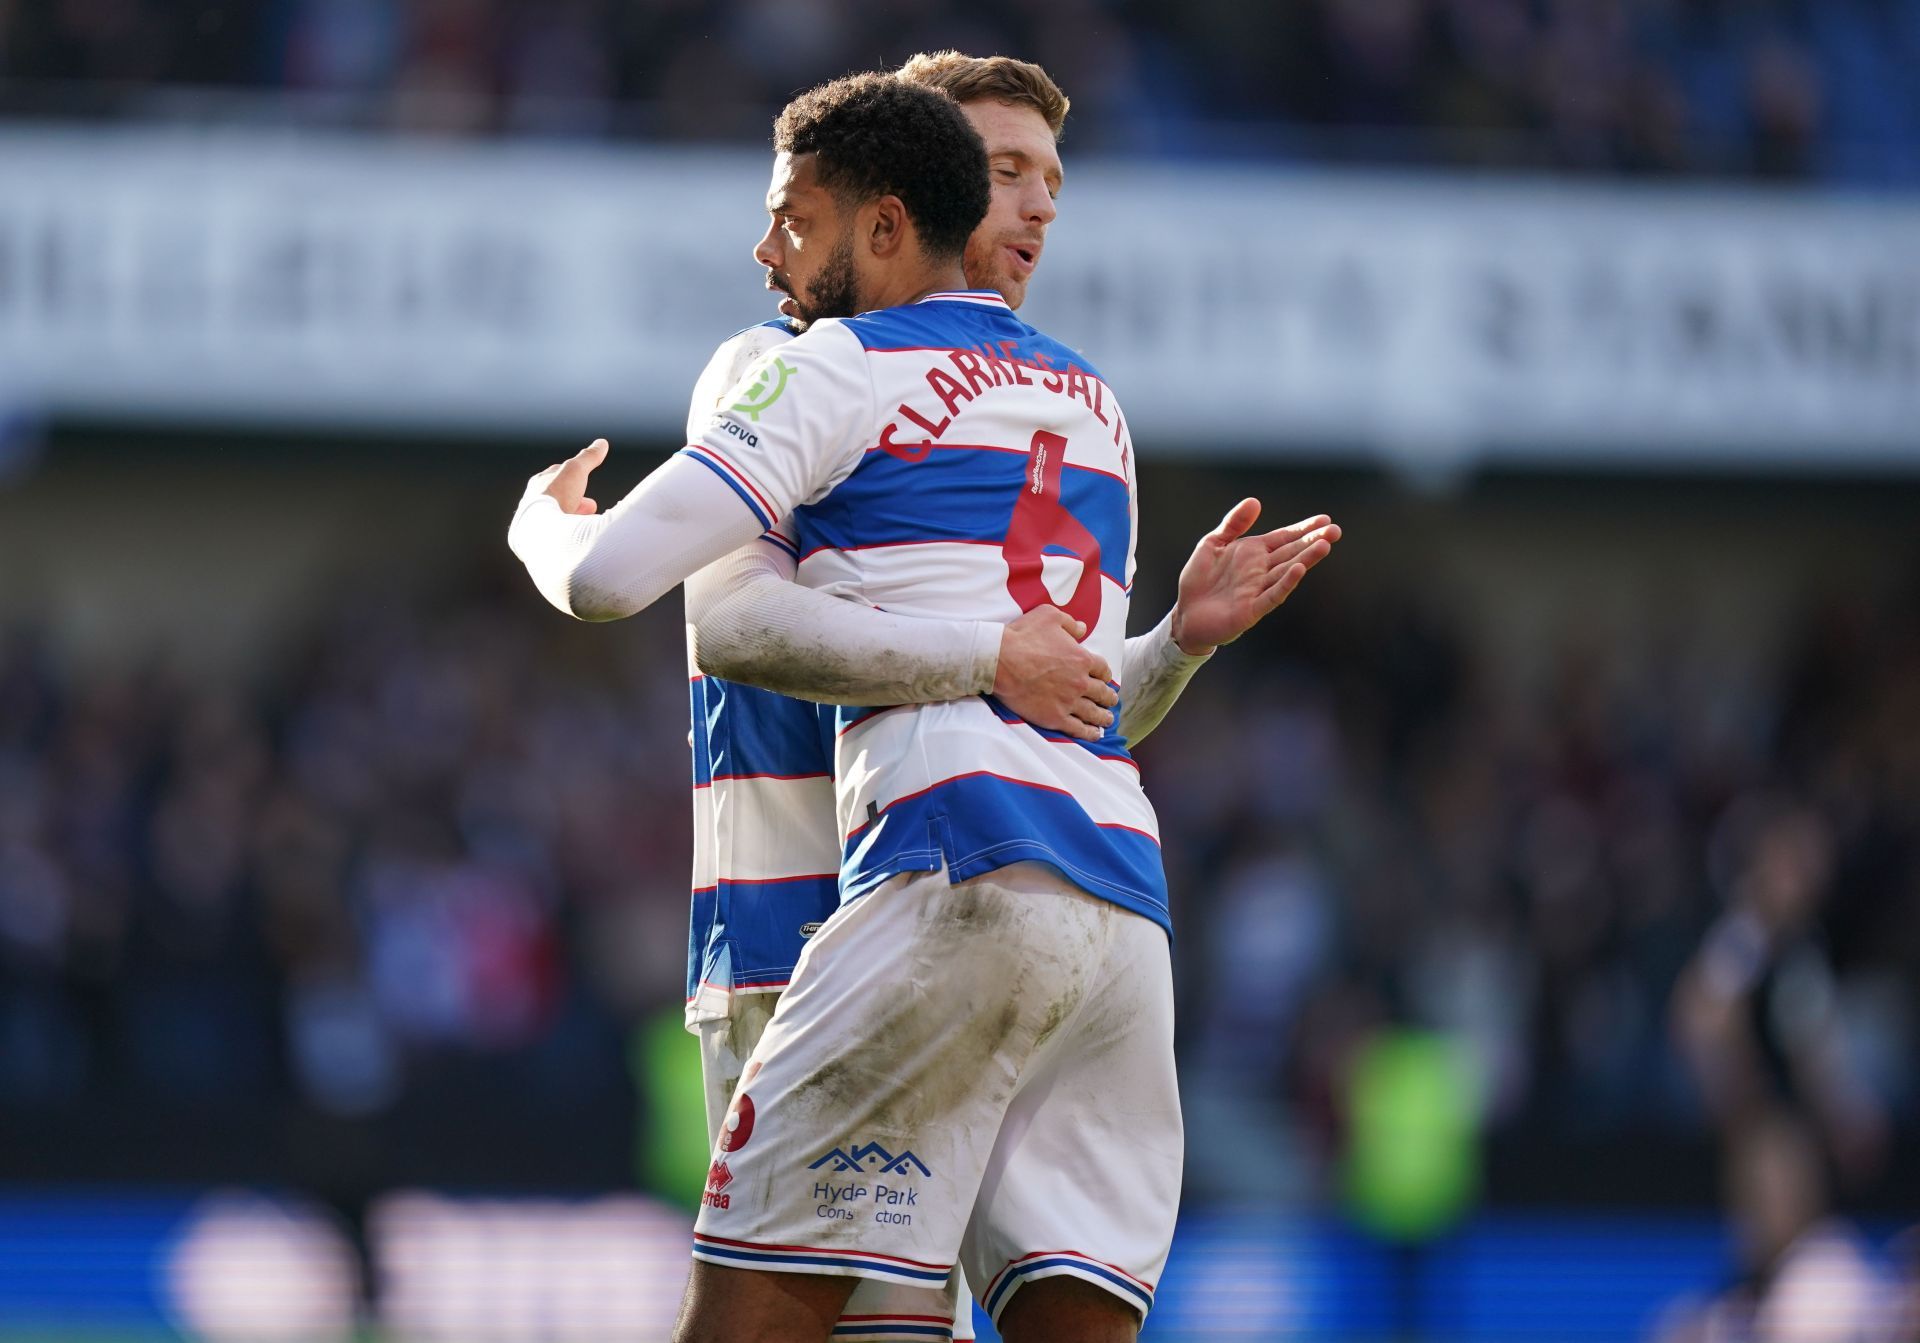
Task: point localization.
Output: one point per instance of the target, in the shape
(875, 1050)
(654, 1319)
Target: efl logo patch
(769, 384)
(737, 1127)
(871, 1156)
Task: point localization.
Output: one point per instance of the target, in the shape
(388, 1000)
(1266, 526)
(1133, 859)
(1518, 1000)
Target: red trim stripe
(1125, 588)
(1004, 778)
(895, 545)
(745, 984)
(1067, 741)
(862, 722)
(780, 778)
(1065, 1254)
(767, 881)
(992, 297)
(816, 1249)
(738, 474)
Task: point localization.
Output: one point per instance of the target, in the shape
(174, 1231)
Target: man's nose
(1041, 208)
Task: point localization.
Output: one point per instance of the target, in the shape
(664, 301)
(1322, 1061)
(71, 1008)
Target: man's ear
(887, 227)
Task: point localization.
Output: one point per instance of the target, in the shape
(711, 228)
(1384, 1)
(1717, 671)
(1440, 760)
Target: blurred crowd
(1591, 883)
(458, 835)
(1799, 89)
(427, 839)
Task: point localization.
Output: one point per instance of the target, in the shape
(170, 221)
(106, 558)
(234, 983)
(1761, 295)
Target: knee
(732, 1305)
(1068, 1310)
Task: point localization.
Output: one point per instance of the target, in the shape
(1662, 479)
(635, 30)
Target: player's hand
(567, 481)
(1048, 677)
(1233, 580)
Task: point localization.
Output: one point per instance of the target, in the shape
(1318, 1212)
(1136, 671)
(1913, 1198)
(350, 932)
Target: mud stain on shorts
(968, 1019)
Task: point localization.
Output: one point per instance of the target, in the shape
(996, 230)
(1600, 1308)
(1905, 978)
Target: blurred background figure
(1804, 1274)
(1548, 872)
(1757, 1010)
(1757, 1015)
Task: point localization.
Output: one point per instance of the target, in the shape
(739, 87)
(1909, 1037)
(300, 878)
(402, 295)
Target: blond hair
(968, 79)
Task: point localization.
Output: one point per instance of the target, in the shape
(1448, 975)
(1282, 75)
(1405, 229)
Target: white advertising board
(335, 283)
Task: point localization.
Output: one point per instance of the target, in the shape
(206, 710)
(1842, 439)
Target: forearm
(679, 519)
(1154, 672)
(748, 622)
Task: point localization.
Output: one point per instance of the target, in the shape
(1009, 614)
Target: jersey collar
(987, 297)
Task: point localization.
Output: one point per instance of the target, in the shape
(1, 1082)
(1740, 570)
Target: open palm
(1233, 580)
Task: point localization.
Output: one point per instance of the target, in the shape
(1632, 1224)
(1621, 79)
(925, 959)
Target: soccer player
(766, 851)
(1009, 1097)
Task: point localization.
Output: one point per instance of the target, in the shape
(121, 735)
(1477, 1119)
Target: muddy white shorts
(977, 1075)
(879, 1311)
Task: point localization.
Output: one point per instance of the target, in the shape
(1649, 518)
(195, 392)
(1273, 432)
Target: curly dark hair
(875, 135)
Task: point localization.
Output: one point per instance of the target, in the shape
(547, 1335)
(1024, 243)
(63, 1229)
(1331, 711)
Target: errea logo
(871, 1156)
(718, 1178)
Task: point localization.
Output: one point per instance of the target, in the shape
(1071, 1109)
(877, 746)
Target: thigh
(726, 1305)
(866, 1116)
(877, 1311)
(1067, 1310)
(1086, 1180)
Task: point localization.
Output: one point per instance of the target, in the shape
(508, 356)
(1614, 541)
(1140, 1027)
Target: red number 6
(1040, 520)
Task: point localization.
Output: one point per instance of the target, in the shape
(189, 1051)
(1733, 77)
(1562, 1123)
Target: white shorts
(878, 1311)
(978, 1075)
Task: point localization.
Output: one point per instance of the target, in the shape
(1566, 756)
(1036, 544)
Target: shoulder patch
(764, 385)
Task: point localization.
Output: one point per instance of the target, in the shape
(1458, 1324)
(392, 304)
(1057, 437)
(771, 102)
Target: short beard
(981, 260)
(834, 292)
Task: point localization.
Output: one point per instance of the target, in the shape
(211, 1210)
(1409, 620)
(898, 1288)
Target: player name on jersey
(1015, 489)
(983, 369)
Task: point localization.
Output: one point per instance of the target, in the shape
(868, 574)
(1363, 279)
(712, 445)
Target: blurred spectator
(1757, 1011)
(1794, 89)
(213, 896)
(451, 844)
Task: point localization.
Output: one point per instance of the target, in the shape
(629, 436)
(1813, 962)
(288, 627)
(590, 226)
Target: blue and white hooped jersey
(766, 859)
(947, 460)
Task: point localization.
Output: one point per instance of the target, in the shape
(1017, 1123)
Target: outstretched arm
(596, 566)
(1230, 583)
(743, 467)
(749, 621)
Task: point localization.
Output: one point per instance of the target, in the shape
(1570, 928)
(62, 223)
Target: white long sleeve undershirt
(750, 622)
(1154, 672)
(674, 523)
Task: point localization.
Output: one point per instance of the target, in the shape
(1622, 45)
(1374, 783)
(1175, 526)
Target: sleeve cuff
(986, 655)
(1176, 655)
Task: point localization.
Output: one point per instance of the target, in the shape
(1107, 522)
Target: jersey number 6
(1040, 520)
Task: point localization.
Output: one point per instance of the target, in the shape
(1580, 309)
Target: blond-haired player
(767, 847)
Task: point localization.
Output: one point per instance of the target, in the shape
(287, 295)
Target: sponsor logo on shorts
(886, 1204)
(871, 1156)
(809, 929)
